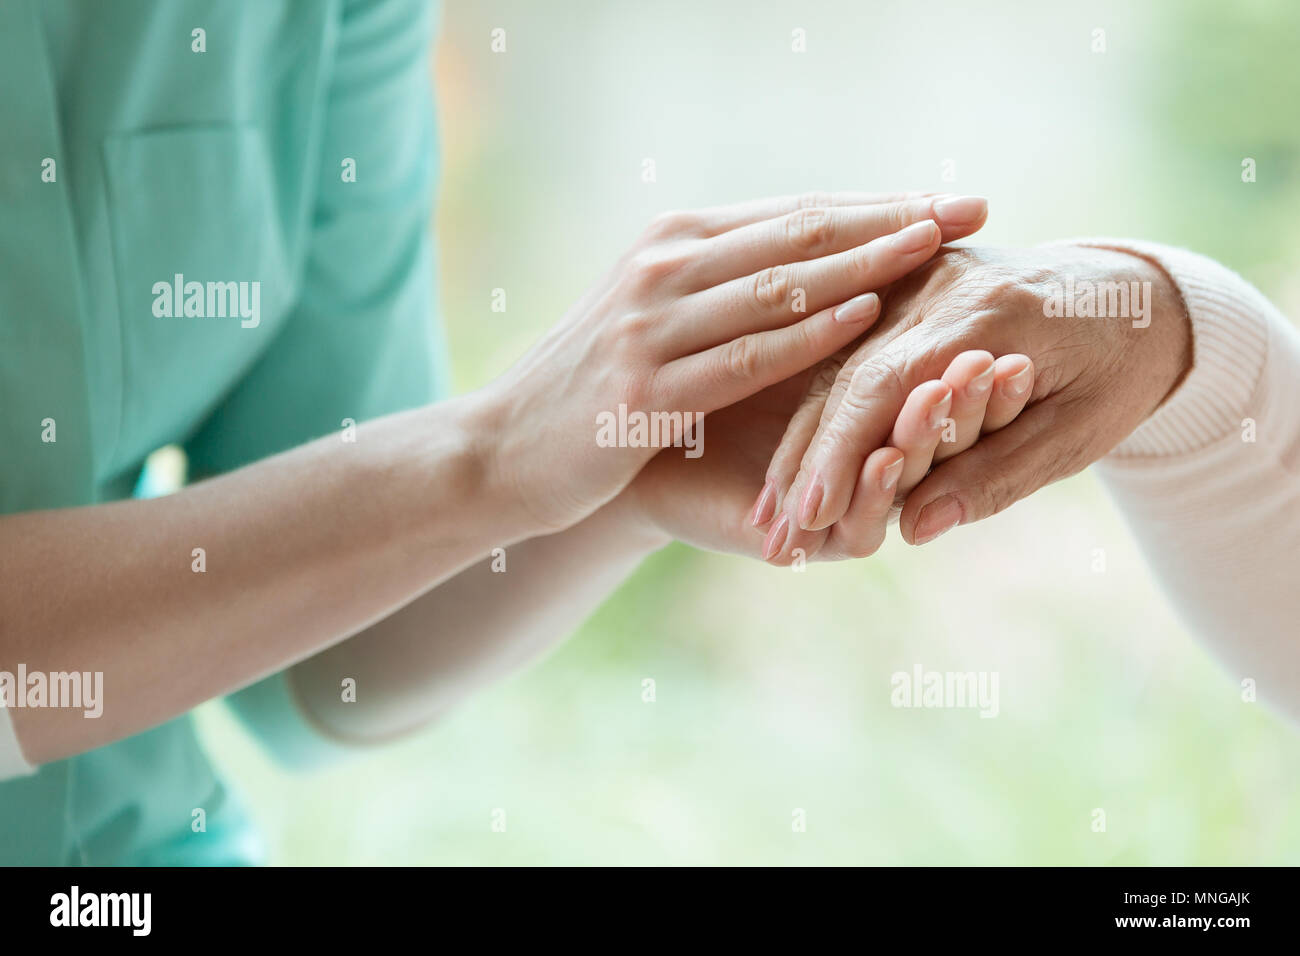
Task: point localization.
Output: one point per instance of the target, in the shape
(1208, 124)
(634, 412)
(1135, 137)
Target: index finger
(811, 233)
(719, 219)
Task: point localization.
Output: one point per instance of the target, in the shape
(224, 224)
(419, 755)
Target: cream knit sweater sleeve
(1210, 484)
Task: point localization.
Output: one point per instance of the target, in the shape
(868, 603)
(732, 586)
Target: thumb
(1041, 446)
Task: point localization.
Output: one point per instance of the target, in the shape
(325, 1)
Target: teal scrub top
(133, 150)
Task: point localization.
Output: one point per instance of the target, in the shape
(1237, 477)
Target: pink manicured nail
(915, 237)
(960, 210)
(939, 516)
(775, 539)
(811, 503)
(858, 309)
(890, 475)
(765, 504)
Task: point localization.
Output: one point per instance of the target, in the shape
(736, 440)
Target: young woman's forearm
(179, 599)
(313, 546)
(481, 624)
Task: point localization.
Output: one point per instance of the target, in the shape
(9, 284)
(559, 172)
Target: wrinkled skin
(1097, 379)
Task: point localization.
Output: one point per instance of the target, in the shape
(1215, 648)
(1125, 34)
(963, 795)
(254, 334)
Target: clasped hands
(853, 369)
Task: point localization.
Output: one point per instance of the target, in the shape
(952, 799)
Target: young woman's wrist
(496, 478)
(507, 487)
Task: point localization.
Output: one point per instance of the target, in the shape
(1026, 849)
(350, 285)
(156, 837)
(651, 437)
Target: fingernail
(890, 475)
(812, 503)
(1016, 385)
(775, 539)
(939, 410)
(861, 309)
(960, 210)
(765, 504)
(981, 383)
(939, 516)
(915, 237)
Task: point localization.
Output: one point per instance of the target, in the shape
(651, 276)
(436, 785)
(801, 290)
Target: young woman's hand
(708, 308)
(702, 501)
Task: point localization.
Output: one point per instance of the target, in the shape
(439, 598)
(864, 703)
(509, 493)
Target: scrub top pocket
(198, 202)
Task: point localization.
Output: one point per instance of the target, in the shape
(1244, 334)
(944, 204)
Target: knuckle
(992, 287)
(901, 214)
(742, 357)
(823, 380)
(839, 435)
(770, 287)
(844, 375)
(634, 326)
(809, 230)
(1010, 295)
(813, 199)
(652, 268)
(873, 380)
(863, 260)
(671, 224)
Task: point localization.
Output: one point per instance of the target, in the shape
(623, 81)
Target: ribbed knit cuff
(1229, 349)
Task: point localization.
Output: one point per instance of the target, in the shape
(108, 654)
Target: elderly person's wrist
(1227, 334)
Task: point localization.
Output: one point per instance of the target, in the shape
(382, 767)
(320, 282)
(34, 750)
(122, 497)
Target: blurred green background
(773, 687)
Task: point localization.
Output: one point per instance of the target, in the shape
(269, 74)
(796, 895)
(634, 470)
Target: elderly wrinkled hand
(1108, 338)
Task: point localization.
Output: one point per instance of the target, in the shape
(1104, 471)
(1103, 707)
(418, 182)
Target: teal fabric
(222, 166)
